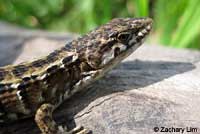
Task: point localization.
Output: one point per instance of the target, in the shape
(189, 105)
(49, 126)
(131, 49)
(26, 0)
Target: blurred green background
(176, 22)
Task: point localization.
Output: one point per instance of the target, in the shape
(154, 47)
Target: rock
(13, 39)
(154, 87)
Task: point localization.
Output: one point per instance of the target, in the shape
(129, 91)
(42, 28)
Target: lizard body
(38, 87)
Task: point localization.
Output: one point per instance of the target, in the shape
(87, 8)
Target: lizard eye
(124, 37)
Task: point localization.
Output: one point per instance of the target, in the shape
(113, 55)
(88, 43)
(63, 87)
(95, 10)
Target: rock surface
(154, 87)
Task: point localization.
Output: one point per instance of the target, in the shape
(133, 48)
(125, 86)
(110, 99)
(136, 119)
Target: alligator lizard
(36, 88)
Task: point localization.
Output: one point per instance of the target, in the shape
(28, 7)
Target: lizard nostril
(116, 51)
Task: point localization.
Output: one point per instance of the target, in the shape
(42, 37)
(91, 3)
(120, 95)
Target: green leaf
(142, 7)
(189, 26)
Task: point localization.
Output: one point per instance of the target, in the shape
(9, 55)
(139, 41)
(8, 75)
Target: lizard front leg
(47, 125)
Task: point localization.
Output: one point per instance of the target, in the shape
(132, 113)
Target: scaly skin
(38, 87)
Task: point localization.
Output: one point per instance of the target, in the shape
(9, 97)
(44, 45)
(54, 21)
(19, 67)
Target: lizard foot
(47, 125)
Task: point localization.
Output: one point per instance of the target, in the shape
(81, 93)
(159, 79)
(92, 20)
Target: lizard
(36, 88)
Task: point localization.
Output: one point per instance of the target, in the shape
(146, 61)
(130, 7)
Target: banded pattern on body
(28, 85)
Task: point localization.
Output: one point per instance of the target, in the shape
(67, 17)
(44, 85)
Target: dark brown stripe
(67, 47)
(2, 111)
(3, 73)
(34, 77)
(26, 79)
(19, 70)
(67, 59)
(39, 63)
(52, 69)
(53, 56)
(2, 86)
(23, 86)
(5, 87)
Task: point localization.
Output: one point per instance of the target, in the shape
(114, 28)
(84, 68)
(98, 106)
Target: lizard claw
(80, 130)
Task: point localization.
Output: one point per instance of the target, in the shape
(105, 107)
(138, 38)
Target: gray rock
(154, 87)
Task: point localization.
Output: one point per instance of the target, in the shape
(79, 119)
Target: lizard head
(112, 42)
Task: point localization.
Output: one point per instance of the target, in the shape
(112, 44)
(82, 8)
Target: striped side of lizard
(36, 88)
